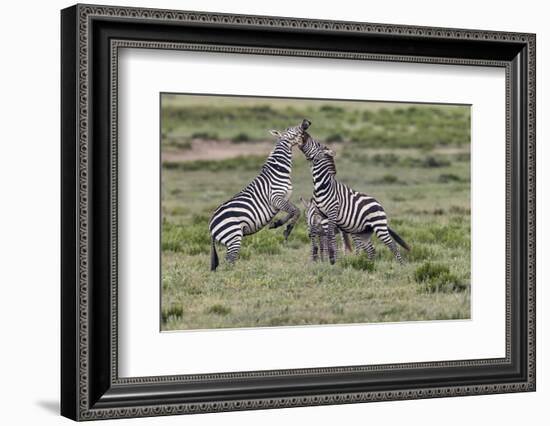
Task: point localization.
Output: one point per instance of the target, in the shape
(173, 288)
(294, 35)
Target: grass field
(414, 159)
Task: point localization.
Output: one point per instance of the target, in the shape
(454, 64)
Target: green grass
(425, 191)
(242, 120)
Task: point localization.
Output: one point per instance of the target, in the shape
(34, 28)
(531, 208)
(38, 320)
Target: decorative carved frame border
(87, 12)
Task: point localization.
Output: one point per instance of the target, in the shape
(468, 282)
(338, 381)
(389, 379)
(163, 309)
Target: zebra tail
(214, 261)
(399, 240)
(347, 242)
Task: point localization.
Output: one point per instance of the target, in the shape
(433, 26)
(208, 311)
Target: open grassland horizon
(415, 159)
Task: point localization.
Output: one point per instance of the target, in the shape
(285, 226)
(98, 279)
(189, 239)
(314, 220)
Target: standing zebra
(317, 225)
(351, 211)
(256, 205)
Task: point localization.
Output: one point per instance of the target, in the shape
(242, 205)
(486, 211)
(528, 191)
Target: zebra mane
(326, 156)
(281, 151)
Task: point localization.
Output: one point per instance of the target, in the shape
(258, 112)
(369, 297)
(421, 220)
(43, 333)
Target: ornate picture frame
(91, 37)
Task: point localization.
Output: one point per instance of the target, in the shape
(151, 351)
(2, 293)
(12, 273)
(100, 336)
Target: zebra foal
(353, 212)
(317, 225)
(255, 206)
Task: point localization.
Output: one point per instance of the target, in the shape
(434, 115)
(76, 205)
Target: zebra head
(324, 160)
(313, 214)
(293, 135)
(310, 147)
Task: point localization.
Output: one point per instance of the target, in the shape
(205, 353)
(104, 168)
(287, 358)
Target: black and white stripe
(317, 225)
(256, 205)
(353, 212)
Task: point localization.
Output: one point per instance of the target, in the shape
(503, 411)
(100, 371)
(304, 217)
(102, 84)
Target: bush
(389, 179)
(360, 262)
(204, 135)
(332, 109)
(240, 137)
(218, 309)
(434, 278)
(430, 162)
(334, 138)
(449, 177)
(173, 311)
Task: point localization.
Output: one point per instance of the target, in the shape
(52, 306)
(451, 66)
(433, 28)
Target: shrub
(240, 137)
(448, 177)
(389, 179)
(434, 278)
(173, 311)
(218, 309)
(429, 272)
(336, 137)
(331, 109)
(360, 262)
(204, 135)
(431, 161)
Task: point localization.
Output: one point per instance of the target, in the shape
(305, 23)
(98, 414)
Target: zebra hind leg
(314, 248)
(371, 252)
(364, 244)
(233, 249)
(383, 234)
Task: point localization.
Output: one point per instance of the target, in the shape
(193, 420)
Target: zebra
(256, 205)
(353, 212)
(317, 225)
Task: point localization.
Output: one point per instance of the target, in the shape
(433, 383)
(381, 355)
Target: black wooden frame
(90, 386)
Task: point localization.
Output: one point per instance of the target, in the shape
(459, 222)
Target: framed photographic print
(263, 212)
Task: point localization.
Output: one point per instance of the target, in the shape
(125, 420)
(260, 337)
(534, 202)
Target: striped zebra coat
(317, 225)
(353, 212)
(256, 205)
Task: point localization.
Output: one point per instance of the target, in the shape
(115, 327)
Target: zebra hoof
(275, 224)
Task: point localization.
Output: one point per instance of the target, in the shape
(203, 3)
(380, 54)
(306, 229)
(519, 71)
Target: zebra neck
(280, 156)
(322, 180)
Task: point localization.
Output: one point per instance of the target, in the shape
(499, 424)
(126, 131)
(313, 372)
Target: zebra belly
(252, 228)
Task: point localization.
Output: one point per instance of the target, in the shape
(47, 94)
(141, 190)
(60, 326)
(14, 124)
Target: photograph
(265, 209)
(281, 212)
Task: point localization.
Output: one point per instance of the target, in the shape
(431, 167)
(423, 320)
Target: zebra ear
(305, 203)
(276, 133)
(330, 152)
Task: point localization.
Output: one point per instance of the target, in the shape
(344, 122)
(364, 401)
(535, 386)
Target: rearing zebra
(256, 205)
(353, 212)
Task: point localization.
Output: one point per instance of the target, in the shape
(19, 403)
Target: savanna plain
(414, 159)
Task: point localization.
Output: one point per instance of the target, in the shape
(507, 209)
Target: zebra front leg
(323, 241)
(383, 234)
(293, 213)
(331, 242)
